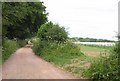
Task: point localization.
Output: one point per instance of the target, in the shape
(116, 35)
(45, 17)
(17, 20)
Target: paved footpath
(24, 64)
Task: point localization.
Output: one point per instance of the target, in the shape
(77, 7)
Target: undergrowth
(9, 46)
(57, 53)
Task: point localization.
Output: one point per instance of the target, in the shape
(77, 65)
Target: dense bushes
(106, 68)
(9, 46)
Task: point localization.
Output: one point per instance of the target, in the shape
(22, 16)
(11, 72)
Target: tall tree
(22, 19)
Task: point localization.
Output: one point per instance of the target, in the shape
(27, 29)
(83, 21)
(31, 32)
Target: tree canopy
(22, 19)
(52, 32)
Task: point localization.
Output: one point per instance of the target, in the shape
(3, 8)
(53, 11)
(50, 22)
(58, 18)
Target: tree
(22, 20)
(52, 32)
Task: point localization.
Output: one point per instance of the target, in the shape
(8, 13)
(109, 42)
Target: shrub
(9, 46)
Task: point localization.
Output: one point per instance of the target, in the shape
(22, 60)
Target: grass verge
(9, 46)
(0, 55)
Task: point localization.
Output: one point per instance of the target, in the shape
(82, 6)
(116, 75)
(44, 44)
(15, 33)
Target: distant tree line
(90, 39)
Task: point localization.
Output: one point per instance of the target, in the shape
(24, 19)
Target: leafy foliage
(21, 20)
(52, 32)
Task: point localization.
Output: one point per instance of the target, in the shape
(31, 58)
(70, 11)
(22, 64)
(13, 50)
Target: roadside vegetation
(10, 46)
(0, 55)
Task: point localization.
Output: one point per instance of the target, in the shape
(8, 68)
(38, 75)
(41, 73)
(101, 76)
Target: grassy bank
(57, 53)
(9, 47)
(0, 55)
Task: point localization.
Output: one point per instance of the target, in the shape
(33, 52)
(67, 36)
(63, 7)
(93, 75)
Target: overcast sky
(85, 18)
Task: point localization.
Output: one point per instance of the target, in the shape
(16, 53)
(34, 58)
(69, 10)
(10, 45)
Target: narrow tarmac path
(24, 64)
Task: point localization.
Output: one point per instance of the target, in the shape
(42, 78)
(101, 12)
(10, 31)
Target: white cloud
(85, 18)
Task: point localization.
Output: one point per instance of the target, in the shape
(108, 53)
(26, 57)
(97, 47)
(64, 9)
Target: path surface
(24, 64)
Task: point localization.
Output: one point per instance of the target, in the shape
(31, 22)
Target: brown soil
(24, 64)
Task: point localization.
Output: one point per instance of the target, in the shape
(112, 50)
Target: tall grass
(57, 53)
(0, 55)
(9, 46)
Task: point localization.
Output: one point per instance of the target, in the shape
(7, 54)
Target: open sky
(85, 18)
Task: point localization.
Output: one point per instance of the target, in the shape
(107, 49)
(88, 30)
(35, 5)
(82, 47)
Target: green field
(94, 50)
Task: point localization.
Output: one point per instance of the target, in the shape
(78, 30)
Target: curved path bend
(24, 64)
